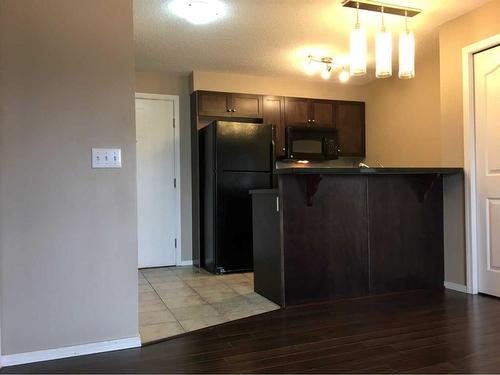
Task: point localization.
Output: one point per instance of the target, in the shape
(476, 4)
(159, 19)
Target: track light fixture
(325, 65)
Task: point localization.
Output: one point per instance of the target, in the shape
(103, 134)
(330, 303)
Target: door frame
(471, 235)
(177, 158)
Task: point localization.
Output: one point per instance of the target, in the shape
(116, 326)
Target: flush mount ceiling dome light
(198, 12)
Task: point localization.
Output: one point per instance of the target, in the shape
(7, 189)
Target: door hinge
(175, 242)
(175, 183)
(173, 123)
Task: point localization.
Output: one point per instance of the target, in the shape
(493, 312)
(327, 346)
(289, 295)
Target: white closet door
(487, 119)
(156, 198)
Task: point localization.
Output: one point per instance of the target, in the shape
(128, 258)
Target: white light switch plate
(106, 158)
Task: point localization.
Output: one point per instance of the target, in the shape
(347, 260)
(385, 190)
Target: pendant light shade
(383, 52)
(358, 49)
(358, 52)
(406, 53)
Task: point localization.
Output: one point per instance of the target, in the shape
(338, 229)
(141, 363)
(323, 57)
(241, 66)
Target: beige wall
(453, 36)
(402, 117)
(176, 84)
(243, 83)
(68, 241)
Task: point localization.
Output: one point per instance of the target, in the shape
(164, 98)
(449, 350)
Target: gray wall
(176, 84)
(68, 241)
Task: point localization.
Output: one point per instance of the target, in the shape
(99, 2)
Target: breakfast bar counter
(297, 169)
(331, 233)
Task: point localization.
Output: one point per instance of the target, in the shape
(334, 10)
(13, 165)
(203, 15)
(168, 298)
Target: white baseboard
(455, 286)
(70, 351)
(186, 263)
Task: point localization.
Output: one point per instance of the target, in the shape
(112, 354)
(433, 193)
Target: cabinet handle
(233, 110)
(313, 121)
(229, 110)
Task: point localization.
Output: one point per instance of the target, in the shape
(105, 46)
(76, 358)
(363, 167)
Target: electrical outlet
(106, 158)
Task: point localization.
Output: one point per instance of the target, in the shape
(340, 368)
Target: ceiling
(273, 37)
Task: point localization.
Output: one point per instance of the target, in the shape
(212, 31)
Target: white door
(487, 119)
(156, 196)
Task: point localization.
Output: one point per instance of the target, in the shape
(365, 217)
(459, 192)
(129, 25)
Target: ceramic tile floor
(174, 300)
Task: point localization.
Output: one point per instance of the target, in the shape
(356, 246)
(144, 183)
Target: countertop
(349, 170)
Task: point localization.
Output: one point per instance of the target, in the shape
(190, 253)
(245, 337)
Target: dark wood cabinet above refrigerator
(221, 104)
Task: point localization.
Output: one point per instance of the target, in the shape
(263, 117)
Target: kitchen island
(332, 233)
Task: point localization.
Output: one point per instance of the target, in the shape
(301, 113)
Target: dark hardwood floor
(416, 332)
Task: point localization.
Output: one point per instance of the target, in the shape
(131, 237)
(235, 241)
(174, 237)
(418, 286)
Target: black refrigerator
(234, 159)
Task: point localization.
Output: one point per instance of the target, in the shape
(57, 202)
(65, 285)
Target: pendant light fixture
(325, 66)
(406, 52)
(383, 51)
(358, 48)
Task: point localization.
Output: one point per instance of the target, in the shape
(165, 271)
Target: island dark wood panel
(352, 235)
(324, 247)
(405, 232)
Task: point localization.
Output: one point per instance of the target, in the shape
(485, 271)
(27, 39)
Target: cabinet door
(350, 123)
(322, 112)
(247, 106)
(274, 114)
(213, 104)
(297, 112)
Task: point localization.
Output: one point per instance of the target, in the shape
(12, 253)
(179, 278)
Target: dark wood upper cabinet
(221, 104)
(297, 112)
(213, 104)
(350, 123)
(245, 105)
(348, 117)
(274, 114)
(322, 112)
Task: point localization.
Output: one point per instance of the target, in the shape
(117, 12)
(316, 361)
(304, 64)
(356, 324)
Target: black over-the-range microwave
(311, 143)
